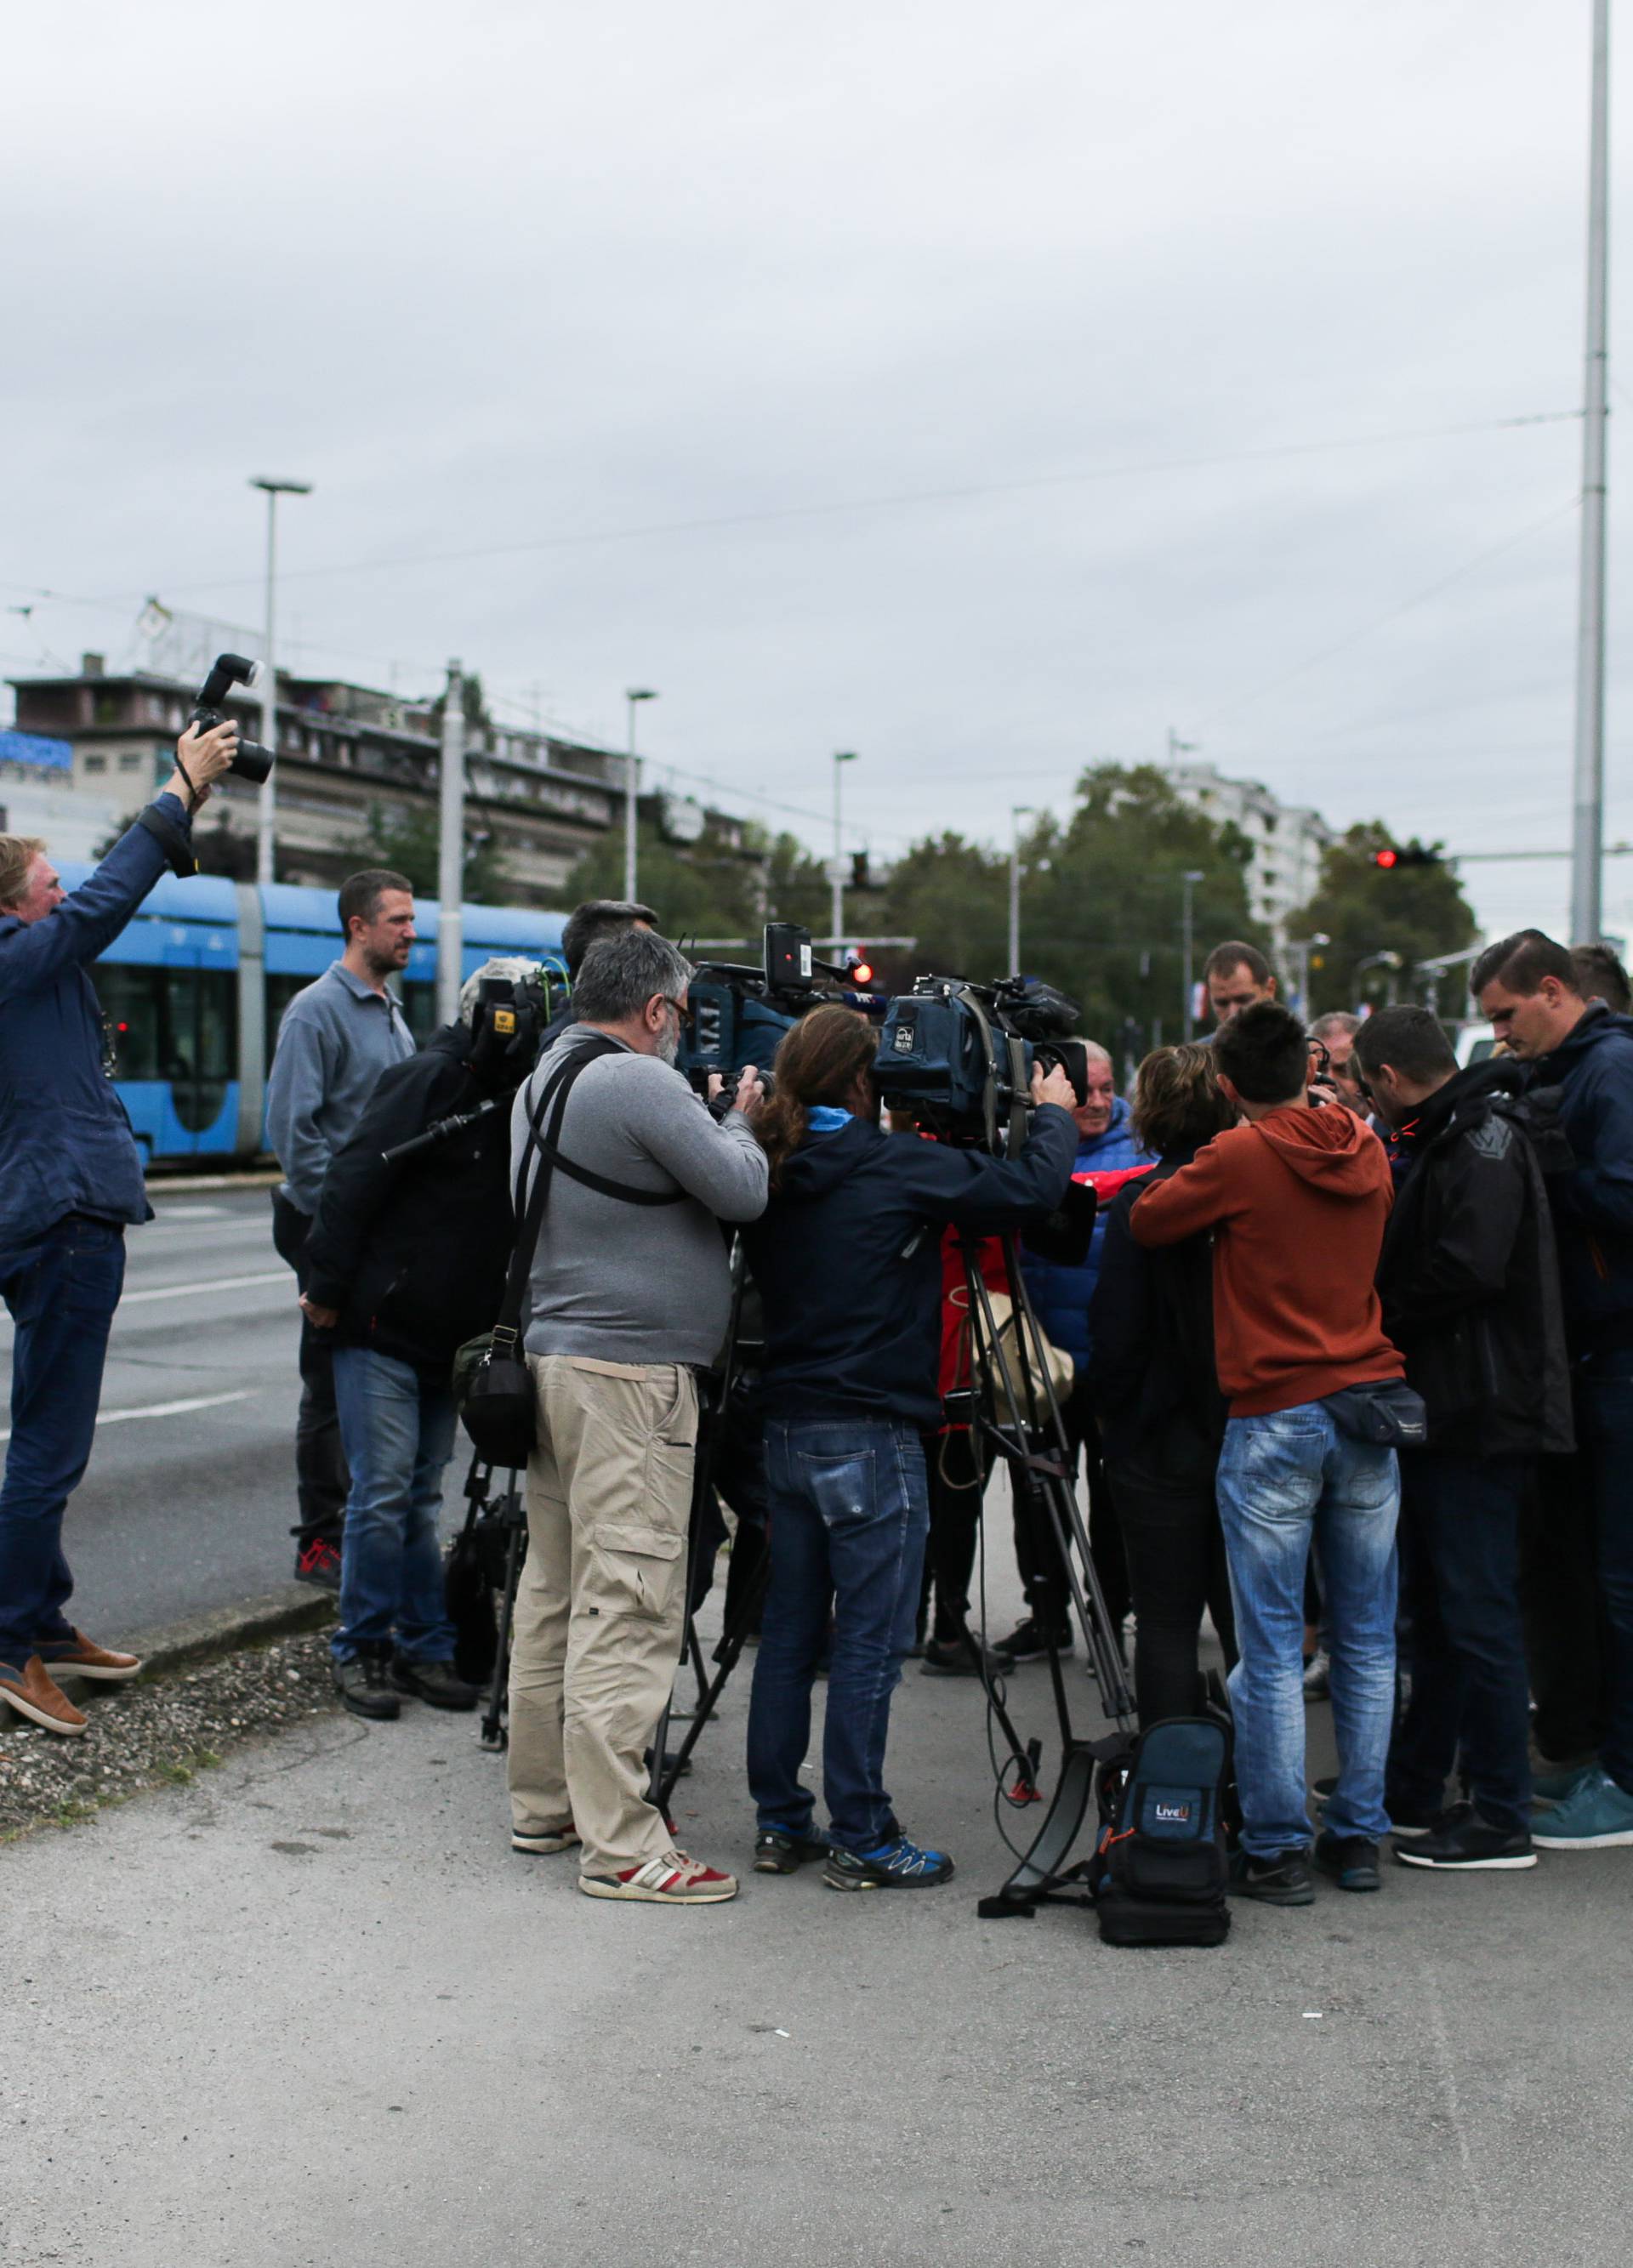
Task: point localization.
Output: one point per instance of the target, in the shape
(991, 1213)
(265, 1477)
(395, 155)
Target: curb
(222, 1630)
(181, 1185)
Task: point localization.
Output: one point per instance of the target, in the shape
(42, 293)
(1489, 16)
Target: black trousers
(957, 1488)
(740, 1478)
(1564, 1623)
(1460, 1582)
(322, 1478)
(1036, 1551)
(1177, 1567)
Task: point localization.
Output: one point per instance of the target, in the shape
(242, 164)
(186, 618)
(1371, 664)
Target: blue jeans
(1284, 1480)
(61, 1290)
(850, 1511)
(397, 1427)
(1460, 1581)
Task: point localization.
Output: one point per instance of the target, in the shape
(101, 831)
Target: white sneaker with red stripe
(674, 1880)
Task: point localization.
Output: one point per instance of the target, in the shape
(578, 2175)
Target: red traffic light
(1385, 858)
(861, 972)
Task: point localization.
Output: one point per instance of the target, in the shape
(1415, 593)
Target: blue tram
(193, 988)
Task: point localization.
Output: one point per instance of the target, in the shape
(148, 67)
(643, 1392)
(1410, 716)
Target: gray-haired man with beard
(629, 1296)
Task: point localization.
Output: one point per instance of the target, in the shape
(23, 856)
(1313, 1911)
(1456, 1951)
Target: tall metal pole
(266, 815)
(450, 851)
(836, 873)
(1017, 812)
(636, 695)
(1588, 816)
(1187, 1018)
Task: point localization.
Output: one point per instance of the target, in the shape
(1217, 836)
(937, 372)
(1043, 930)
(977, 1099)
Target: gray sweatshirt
(337, 1037)
(625, 1283)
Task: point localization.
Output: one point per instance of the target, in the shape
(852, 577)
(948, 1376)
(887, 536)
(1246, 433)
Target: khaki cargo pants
(600, 1606)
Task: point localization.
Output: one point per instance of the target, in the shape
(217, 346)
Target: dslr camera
(959, 1056)
(252, 760)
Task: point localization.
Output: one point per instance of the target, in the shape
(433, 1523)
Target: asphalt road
(191, 1487)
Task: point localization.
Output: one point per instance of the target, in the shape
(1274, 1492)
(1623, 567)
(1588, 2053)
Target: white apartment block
(1287, 840)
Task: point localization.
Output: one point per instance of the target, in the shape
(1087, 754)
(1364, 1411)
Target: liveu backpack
(1159, 1870)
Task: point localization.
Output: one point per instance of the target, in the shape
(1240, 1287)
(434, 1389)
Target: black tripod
(1018, 1413)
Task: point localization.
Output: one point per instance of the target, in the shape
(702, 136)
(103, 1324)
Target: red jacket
(1297, 1203)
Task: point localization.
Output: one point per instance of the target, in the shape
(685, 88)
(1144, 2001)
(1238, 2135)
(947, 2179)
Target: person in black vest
(1469, 1283)
(406, 1262)
(1162, 1414)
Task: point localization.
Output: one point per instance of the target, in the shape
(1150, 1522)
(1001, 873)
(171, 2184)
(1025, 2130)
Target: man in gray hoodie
(629, 1296)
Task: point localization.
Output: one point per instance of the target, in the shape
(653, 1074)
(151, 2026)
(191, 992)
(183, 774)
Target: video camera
(959, 1056)
(252, 762)
(511, 1014)
(739, 1013)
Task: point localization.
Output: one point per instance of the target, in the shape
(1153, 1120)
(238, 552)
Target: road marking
(211, 1284)
(167, 1408)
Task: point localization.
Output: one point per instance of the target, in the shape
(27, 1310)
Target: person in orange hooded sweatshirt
(1296, 1198)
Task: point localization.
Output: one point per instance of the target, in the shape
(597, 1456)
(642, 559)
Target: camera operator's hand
(206, 756)
(1053, 1086)
(750, 1094)
(321, 1318)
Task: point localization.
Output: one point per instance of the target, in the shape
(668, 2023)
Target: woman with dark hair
(847, 1257)
(1162, 1415)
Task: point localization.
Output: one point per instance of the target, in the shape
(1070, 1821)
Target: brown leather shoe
(84, 1658)
(34, 1695)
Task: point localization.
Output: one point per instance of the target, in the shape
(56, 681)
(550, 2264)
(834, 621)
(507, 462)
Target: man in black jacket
(406, 1260)
(1470, 1290)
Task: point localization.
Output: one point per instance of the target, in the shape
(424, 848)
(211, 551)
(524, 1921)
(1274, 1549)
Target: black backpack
(1158, 1871)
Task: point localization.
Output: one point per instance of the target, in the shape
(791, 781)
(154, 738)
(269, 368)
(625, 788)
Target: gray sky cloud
(507, 281)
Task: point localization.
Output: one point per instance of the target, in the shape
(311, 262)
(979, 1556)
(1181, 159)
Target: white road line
(211, 1284)
(167, 1408)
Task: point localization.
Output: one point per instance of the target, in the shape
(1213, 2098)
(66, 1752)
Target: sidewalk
(311, 2012)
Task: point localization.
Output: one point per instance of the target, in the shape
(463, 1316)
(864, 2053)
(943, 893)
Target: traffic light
(857, 968)
(860, 877)
(1410, 854)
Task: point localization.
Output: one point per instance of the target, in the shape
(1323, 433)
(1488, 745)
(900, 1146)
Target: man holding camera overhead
(628, 1297)
(71, 1178)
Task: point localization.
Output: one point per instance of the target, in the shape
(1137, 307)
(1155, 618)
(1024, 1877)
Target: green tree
(409, 842)
(709, 887)
(1102, 902)
(1416, 911)
(220, 848)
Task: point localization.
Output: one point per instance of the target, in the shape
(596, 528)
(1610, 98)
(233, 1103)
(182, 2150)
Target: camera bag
(492, 1385)
(1159, 1871)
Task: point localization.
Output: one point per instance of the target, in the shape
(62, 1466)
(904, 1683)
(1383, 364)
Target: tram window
(420, 1008)
(130, 999)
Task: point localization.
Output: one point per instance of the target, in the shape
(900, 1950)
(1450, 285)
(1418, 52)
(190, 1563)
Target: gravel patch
(150, 1735)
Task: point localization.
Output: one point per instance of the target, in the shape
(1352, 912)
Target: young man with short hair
(1236, 975)
(337, 1036)
(1470, 1287)
(1577, 1552)
(1297, 1200)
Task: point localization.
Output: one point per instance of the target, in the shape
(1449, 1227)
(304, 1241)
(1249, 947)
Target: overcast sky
(1000, 346)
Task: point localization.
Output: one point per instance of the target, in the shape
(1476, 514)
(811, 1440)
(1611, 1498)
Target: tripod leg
(493, 1729)
(727, 1655)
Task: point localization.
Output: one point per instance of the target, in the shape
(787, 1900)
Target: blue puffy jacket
(1061, 1295)
(1593, 1206)
(65, 1142)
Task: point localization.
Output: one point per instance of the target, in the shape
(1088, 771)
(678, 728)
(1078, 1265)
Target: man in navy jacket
(1577, 1554)
(71, 1178)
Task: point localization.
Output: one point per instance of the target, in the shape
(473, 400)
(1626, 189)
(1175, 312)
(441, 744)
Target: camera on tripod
(251, 761)
(959, 1056)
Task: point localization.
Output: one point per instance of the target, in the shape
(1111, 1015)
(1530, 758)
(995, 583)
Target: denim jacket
(65, 1142)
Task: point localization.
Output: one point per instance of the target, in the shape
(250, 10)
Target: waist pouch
(1388, 1413)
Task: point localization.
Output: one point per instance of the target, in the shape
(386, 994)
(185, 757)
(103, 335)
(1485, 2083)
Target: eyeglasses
(684, 1014)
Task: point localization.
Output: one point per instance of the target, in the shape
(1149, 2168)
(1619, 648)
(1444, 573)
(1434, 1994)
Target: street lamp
(1017, 812)
(636, 694)
(1301, 949)
(836, 873)
(266, 819)
(1188, 1015)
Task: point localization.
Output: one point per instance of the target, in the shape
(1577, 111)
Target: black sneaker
(776, 1852)
(956, 1657)
(318, 1562)
(435, 1682)
(1465, 1840)
(1026, 1642)
(365, 1686)
(1283, 1881)
(1350, 1859)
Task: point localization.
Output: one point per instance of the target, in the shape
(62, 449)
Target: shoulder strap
(553, 1099)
